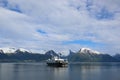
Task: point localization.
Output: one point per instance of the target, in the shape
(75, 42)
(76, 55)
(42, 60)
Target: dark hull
(57, 64)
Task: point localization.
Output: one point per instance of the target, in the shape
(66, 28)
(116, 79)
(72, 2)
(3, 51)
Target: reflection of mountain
(94, 71)
(81, 71)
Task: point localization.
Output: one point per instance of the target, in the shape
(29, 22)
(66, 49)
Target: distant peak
(71, 52)
(13, 50)
(50, 52)
(88, 50)
(23, 50)
(8, 50)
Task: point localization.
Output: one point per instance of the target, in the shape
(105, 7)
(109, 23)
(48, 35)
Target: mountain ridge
(83, 55)
(89, 55)
(88, 50)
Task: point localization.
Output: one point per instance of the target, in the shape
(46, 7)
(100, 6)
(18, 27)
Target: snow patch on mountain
(88, 50)
(8, 50)
(13, 50)
(24, 50)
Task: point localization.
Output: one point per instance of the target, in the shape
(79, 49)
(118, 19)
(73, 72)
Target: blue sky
(84, 42)
(60, 25)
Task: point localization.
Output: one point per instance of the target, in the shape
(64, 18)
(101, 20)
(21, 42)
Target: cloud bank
(60, 24)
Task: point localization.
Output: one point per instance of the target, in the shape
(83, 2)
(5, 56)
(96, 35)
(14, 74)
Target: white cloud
(61, 20)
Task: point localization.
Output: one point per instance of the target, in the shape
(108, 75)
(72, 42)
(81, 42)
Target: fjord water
(74, 71)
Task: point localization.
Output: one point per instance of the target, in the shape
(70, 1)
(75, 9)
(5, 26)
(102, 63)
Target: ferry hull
(57, 64)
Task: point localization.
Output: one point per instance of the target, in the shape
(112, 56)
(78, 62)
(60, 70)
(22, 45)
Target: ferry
(57, 62)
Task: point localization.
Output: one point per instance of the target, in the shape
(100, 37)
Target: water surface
(74, 71)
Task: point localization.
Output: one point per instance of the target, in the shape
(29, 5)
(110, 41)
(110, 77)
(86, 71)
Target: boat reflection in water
(57, 62)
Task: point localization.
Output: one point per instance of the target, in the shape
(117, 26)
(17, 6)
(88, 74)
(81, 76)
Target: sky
(60, 25)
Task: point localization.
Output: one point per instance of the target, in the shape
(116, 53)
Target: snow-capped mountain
(21, 50)
(8, 50)
(13, 50)
(89, 55)
(88, 50)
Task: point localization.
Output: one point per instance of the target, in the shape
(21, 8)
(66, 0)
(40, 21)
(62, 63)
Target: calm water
(74, 71)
